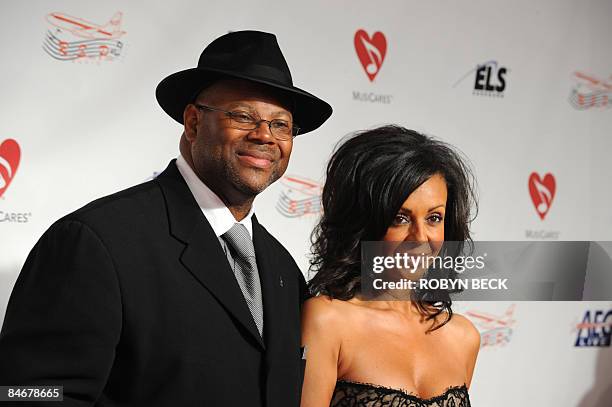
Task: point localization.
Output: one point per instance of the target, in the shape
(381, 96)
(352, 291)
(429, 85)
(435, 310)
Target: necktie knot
(239, 239)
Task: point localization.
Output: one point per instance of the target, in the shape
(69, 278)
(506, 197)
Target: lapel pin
(280, 281)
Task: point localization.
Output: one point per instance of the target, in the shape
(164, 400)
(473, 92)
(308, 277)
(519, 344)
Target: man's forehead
(237, 91)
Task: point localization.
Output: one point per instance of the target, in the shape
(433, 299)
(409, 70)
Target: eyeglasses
(281, 129)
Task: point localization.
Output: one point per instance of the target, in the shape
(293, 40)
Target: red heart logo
(542, 192)
(9, 161)
(371, 51)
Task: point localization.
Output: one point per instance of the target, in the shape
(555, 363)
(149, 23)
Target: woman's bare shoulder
(465, 331)
(323, 325)
(322, 308)
(323, 311)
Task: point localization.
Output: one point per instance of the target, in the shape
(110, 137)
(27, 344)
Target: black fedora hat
(250, 55)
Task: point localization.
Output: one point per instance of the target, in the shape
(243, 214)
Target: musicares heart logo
(542, 192)
(9, 161)
(371, 51)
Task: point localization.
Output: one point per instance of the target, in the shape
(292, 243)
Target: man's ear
(190, 120)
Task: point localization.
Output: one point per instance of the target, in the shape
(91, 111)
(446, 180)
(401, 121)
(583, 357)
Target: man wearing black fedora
(171, 293)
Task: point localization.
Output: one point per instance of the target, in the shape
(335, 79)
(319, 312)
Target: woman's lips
(259, 160)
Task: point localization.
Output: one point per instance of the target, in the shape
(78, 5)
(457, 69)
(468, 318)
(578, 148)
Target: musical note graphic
(371, 51)
(542, 192)
(70, 50)
(497, 336)
(375, 57)
(293, 208)
(545, 196)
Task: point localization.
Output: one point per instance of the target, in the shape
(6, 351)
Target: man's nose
(262, 133)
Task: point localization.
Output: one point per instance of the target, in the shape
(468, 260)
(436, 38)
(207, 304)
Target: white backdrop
(87, 124)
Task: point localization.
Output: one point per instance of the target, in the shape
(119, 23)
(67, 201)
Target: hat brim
(179, 89)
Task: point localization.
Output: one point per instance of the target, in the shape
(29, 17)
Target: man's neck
(239, 206)
(240, 211)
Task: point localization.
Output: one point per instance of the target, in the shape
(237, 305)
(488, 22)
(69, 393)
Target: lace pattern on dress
(355, 394)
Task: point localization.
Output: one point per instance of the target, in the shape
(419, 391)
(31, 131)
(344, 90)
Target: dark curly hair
(369, 177)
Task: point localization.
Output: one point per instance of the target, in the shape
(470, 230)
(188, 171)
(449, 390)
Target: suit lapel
(275, 294)
(203, 255)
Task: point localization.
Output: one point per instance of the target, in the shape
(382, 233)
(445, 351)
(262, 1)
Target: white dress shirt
(213, 208)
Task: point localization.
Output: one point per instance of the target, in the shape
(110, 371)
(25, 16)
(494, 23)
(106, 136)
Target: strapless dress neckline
(349, 393)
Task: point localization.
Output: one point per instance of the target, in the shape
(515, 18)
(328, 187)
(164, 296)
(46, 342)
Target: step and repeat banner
(523, 88)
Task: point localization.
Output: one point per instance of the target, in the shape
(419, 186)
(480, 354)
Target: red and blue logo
(595, 330)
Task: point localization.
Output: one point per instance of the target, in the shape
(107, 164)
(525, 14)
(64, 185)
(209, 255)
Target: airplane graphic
(85, 29)
(488, 321)
(300, 197)
(494, 329)
(590, 91)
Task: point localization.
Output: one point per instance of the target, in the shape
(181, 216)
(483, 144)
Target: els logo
(590, 92)
(542, 191)
(595, 330)
(489, 79)
(371, 51)
(75, 39)
(10, 155)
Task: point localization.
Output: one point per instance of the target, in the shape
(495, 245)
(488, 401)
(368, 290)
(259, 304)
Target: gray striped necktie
(245, 270)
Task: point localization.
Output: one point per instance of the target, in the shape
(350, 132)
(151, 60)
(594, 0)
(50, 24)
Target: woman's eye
(436, 218)
(401, 220)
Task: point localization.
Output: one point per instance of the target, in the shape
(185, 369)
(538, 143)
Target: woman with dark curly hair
(396, 185)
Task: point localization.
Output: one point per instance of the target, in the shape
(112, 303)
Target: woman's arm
(321, 333)
(471, 338)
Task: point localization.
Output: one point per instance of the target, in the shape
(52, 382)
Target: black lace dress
(355, 394)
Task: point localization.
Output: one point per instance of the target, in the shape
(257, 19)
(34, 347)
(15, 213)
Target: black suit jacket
(130, 301)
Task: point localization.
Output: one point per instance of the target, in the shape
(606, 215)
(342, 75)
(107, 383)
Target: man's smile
(256, 158)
